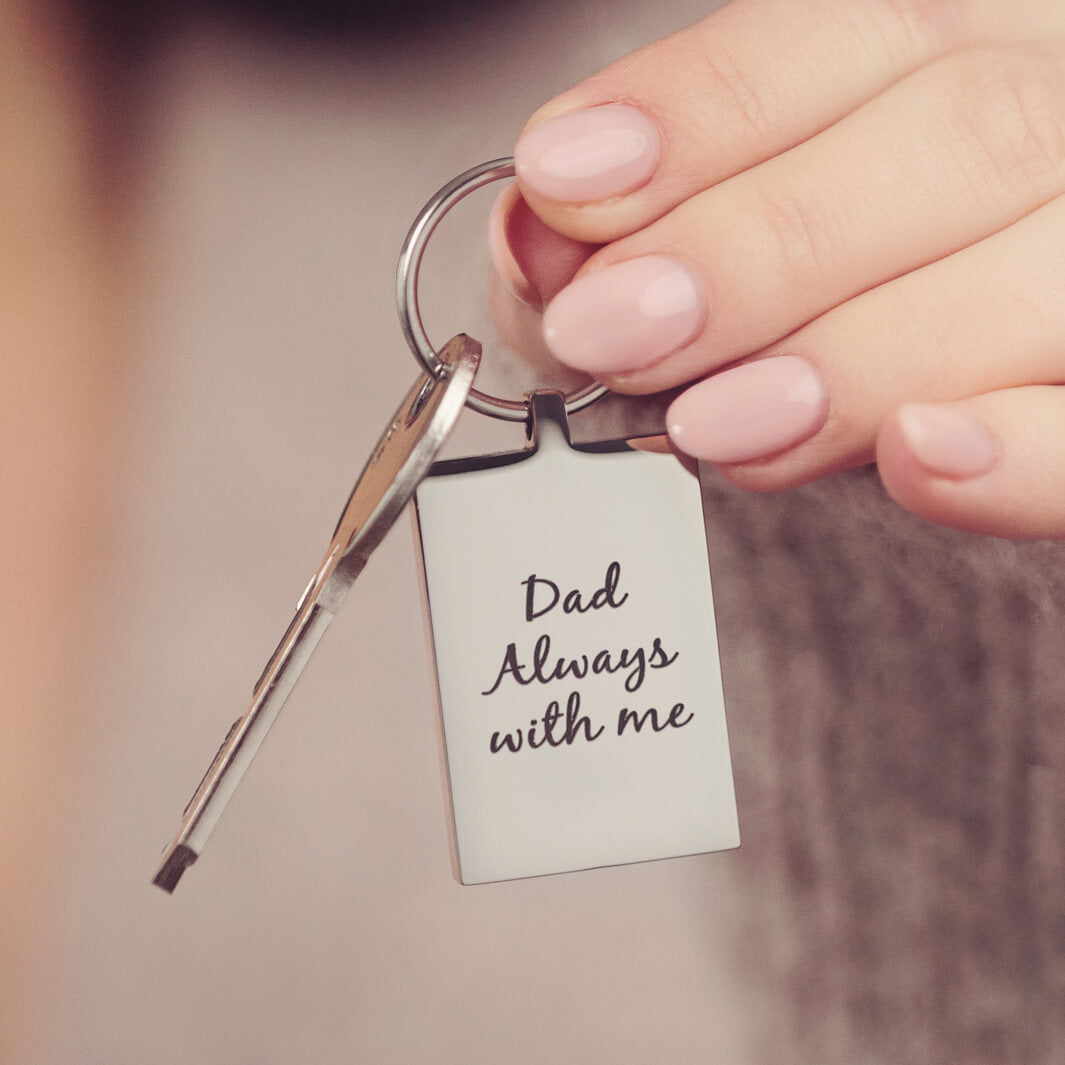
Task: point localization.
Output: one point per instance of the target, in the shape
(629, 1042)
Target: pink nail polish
(947, 442)
(625, 316)
(750, 412)
(588, 155)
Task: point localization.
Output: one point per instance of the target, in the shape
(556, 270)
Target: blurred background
(895, 692)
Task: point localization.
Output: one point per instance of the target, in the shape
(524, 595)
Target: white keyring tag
(569, 601)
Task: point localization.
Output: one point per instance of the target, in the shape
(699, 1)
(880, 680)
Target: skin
(876, 187)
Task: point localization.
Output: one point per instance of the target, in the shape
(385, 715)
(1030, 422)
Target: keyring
(410, 318)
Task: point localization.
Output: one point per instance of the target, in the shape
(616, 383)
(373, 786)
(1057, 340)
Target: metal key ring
(410, 318)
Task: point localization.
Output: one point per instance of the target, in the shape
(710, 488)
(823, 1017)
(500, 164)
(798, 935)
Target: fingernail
(947, 442)
(750, 412)
(589, 155)
(625, 316)
(500, 250)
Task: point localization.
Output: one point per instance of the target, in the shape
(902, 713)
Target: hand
(846, 221)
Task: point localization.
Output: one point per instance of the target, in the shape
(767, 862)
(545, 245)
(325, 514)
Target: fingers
(956, 151)
(748, 82)
(988, 318)
(751, 81)
(991, 464)
(855, 208)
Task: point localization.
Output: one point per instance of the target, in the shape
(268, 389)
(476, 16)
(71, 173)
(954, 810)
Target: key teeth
(175, 863)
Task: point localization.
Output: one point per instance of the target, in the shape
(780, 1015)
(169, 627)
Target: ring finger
(988, 318)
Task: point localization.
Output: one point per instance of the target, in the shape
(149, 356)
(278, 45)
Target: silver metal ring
(410, 318)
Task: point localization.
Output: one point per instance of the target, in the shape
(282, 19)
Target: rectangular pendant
(571, 616)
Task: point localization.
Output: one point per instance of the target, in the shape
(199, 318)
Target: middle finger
(954, 152)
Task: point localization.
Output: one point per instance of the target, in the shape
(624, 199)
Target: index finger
(757, 77)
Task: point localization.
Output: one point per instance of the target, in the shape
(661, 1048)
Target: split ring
(410, 318)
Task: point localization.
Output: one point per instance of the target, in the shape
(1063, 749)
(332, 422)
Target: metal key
(400, 460)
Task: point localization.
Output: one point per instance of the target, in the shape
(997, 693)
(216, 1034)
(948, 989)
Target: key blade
(177, 859)
(400, 460)
(242, 742)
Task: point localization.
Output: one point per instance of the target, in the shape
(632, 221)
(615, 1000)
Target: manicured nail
(750, 412)
(625, 316)
(589, 155)
(947, 442)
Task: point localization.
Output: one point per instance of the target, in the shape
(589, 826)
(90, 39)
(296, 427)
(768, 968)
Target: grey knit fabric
(897, 712)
